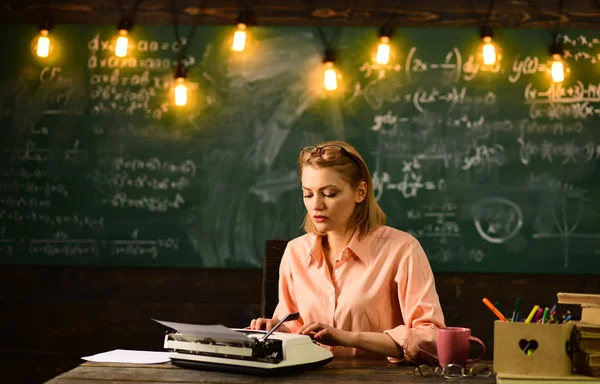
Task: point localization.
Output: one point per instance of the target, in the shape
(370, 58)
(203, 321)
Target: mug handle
(473, 338)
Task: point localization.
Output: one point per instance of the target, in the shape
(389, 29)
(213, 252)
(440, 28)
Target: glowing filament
(489, 51)
(330, 77)
(383, 51)
(43, 44)
(239, 38)
(557, 69)
(122, 43)
(180, 92)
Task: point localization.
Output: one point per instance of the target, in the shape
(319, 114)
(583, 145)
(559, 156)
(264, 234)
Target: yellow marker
(533, 312)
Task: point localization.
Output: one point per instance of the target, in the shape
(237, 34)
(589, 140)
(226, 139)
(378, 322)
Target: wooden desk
(339, 371)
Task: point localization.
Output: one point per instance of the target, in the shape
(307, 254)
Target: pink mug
(453, 346)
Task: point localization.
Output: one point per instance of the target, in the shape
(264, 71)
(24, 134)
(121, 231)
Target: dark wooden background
(581, 14)
(52, 316)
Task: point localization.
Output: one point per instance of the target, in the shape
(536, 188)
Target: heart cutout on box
(528, 346)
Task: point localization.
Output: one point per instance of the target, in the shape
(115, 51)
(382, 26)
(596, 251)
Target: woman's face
(329, 200)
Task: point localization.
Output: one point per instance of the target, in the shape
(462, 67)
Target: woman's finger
(260, 322)
(269, 324)
(320, 334)
(311, 327)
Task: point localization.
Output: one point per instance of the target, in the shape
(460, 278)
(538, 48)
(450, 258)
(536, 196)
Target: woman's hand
(258, 324)
(326, 334)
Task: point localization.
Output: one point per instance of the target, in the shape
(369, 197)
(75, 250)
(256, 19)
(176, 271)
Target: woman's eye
(307, 196)
(330, 195)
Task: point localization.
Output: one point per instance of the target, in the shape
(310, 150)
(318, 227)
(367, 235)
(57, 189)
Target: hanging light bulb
(43, 41)
(123, 41)
(558, 68)
(239, 37)
(488, 49)
(383, 49)
(180, 86)
(330, 75)
(43, 44)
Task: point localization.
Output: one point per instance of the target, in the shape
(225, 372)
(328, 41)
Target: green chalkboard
(492, 169)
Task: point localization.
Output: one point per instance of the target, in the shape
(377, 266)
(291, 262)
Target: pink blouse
(382, 283)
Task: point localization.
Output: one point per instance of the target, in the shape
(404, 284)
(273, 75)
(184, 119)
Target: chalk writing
(577, 48)
(24, 202)
(124, 179)
(148, 131)
(143, 247)
(548, 184)
(555, 128)
(529, 66)
(568, 152)
(51, 247)
(481, 155)
(453, 96)
(451, 254)
(23, 173)
(32, 154)
(558, 93)
(410, 185)
(497, 219)
(125, 91)
(32, 188)
(152, 204)
(576, 110)
(187, 167)
(74, 220)
(443, 225)
(452, 63)
(581, 40)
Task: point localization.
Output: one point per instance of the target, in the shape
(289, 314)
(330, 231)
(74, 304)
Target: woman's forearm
(375, 342)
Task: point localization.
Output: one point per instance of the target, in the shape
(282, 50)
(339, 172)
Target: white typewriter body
(245, 351)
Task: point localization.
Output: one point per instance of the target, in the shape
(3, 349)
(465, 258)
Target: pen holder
(532, 349)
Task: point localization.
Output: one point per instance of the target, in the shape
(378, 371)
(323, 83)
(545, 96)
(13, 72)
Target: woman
(362, 288)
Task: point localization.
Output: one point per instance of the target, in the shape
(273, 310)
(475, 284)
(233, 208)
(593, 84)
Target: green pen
(515, 316)
(545, 315)
(499, 307)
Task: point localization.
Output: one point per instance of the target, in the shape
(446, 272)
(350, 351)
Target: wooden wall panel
(407, 13)
(54, 315)
(58, 314)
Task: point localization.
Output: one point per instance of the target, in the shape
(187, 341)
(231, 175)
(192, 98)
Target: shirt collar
(359, 247)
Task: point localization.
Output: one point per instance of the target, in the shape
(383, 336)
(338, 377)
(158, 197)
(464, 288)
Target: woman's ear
(361, 192)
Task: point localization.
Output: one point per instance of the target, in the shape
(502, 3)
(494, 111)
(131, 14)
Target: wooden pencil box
(532, 349)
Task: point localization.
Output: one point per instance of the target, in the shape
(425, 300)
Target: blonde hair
(351, 167)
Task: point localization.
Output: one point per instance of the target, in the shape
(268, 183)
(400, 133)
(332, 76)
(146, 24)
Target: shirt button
(331, 298)
(336, 271)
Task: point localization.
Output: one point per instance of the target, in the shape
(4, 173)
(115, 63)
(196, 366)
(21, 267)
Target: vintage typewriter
(216, 347)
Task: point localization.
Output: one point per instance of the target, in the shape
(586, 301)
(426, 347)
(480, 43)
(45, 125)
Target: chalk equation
(435, 220)
(409, 186)
(497, 219)
(563, 153)
(152, 204)
(52, 220)
(133, 85)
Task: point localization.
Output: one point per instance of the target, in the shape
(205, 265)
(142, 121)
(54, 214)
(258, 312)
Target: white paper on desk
(129, 356)
(217, 332)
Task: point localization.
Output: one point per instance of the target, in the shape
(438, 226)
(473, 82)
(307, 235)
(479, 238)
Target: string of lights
(489, 52)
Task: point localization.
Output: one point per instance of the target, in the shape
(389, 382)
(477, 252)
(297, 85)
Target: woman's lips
(319, 219)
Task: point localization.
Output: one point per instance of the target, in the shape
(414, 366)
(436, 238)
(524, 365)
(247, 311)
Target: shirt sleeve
(287, 299)
(420, 305)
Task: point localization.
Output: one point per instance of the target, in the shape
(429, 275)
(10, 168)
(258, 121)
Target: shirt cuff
(418, 343)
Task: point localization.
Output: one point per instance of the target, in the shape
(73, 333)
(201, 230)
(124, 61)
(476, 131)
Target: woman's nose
(318, 203)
